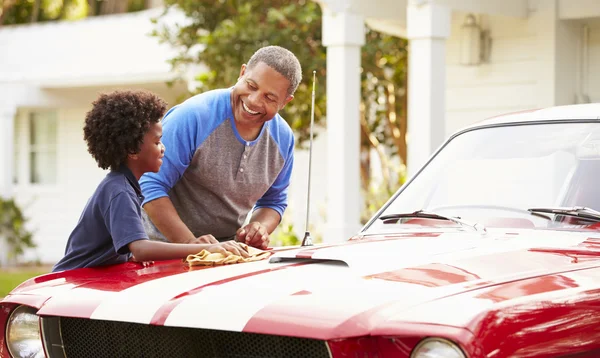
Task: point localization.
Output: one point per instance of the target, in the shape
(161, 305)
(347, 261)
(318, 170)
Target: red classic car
(491, 250)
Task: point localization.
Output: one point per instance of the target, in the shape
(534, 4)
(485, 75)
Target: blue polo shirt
(111, 220)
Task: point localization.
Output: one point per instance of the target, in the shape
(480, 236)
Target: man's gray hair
(281, 60)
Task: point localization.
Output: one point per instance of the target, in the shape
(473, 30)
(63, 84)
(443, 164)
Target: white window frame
(23, 149)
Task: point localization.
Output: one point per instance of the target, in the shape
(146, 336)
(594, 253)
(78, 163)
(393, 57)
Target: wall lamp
(475, 43)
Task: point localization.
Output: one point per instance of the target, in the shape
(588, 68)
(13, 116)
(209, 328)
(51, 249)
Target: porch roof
(389, 16)
(114, 49)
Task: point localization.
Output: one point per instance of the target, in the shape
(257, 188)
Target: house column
(428, 27)
(7, 120)
(343, 35)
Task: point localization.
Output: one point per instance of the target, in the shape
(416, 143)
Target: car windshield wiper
(577, 211)
(431, 215)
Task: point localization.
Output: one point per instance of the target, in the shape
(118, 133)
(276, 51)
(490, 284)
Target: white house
(543, 53)
(49, 75)
(469, 59)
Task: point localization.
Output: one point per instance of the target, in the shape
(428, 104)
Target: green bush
(285, 234)
(12, 228)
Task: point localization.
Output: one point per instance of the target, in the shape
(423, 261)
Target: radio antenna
(307, 240)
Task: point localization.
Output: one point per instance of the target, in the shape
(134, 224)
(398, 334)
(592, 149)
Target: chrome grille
(95, 338)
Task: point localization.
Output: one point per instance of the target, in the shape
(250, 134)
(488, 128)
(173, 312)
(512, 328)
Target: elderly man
(228, 152)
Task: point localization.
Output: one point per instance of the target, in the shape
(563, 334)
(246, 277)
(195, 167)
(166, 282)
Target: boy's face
(152, 149)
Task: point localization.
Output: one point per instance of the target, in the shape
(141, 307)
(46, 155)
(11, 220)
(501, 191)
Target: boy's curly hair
(116, 125)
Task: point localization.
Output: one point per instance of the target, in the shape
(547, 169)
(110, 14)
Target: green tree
(223, 34)
(26, 11)
(229, 31)
(383, 117)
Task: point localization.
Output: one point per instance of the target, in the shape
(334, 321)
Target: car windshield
(493, 176)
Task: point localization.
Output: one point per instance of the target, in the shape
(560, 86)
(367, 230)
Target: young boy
(123, 133)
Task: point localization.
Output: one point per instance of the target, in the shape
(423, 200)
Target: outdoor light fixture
(475, 43)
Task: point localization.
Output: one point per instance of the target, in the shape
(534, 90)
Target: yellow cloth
(206, 258)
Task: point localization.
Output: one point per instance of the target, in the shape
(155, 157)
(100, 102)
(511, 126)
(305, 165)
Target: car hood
(325, 291)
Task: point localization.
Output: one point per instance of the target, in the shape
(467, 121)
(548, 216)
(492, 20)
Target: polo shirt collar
(123, 169)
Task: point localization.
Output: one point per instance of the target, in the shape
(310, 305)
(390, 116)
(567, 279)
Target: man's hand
(228, 248)
(254, 234)
(204, 239)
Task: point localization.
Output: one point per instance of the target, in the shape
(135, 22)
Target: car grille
(95, 338)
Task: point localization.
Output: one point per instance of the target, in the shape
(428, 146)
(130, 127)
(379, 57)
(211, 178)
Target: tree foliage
(383, 118)
(223, 34)
(14, 12)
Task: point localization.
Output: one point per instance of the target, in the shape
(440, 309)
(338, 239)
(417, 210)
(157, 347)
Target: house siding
(53, 210)
(533, 64)
(508, 82)
(593, 80)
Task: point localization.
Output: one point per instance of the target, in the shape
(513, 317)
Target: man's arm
(263, 222)
(268, 217)
(181, 136)
(164, 216)
(270, 207)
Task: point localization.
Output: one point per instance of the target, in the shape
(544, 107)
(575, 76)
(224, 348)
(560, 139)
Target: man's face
(258, 95)
(152, 150)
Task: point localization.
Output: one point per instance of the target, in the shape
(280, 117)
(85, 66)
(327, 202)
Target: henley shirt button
(245, 156)
(247, 144)
(241, 170)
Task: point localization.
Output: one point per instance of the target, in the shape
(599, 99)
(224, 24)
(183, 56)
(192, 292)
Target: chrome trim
(328, 349)
(52, 337)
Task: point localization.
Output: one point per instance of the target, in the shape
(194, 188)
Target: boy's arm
(146, 250)
(123, 220)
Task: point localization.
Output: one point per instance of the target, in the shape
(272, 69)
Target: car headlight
(437, 348)
(23, 334)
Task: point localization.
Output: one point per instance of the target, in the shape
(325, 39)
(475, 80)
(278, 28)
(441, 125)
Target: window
(36, 148)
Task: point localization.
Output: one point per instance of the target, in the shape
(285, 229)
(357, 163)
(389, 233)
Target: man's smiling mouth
(248, 110)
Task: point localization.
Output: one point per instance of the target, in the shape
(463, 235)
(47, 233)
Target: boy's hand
(204, 239)
(253, 234)
(229, 248)
(144, 263)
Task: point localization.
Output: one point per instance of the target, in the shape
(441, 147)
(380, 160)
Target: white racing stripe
(383, 256)
(50, 291)
(78, 302)
(139, 303)
(231, 305)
